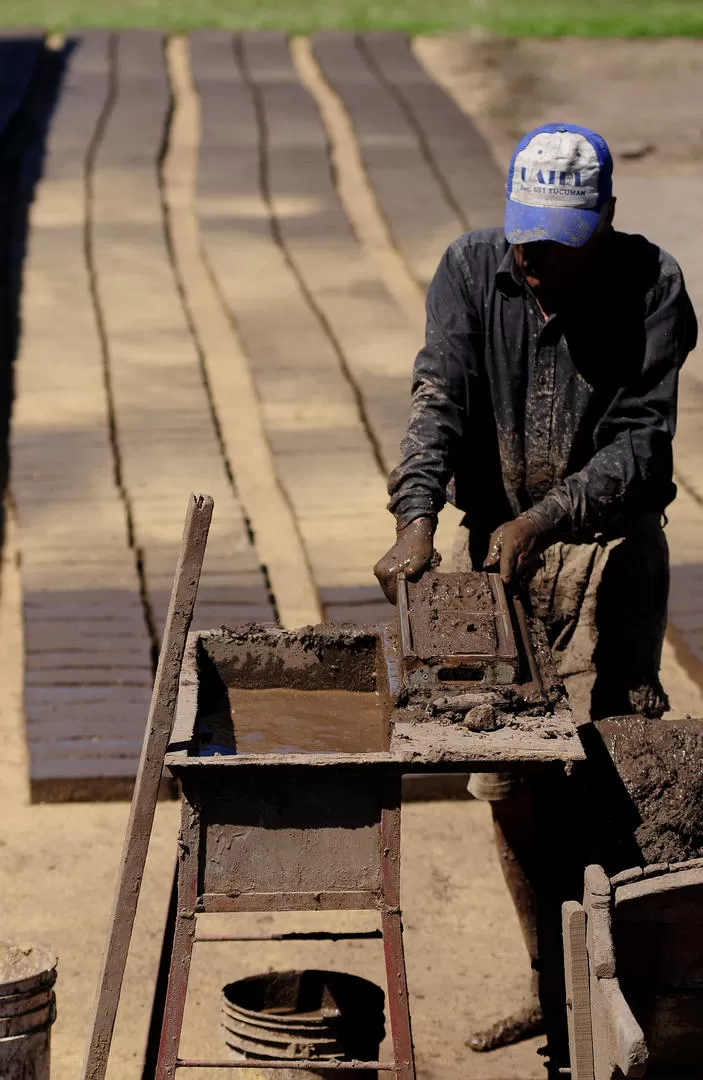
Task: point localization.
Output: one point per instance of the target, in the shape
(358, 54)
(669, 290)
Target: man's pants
(604, 608)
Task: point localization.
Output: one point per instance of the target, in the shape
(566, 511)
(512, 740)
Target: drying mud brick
(420, 220)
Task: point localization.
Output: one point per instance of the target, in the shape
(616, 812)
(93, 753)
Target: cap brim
(562, 224)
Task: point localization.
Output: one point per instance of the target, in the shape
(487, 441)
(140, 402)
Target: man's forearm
(438, 408)
(417, 486)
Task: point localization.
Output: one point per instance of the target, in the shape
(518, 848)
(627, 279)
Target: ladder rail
(156, 738)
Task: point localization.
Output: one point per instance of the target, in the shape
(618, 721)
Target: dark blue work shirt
(573, 415)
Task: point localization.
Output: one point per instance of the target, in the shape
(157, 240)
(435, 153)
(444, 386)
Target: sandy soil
(642, 95)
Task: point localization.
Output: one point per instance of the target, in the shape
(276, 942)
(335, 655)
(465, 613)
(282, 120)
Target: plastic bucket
(321, 1015)
(27, 1011)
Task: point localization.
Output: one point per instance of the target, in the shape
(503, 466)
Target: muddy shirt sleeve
(438, 409)
(631, 470)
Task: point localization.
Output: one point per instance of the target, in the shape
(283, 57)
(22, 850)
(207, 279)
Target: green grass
(589, 18)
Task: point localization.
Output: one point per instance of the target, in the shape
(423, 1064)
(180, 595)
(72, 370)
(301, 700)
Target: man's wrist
(548, 530)
(541, 521)
(403, 523)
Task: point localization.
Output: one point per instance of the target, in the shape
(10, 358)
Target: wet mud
(313, 690)
(524, 693)
(312, 658)
(18, 963)
(645, 789)
(453, 614)
(285, 721)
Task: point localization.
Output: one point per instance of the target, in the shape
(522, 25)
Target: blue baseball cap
(560, 178)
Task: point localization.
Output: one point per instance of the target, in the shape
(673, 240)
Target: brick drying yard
(227, 251)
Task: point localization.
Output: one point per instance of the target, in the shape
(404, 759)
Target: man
(544, 406)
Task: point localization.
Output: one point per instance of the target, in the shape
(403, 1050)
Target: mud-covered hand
(412, 554)
(514, 546)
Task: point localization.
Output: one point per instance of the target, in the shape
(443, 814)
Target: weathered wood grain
(156, 738)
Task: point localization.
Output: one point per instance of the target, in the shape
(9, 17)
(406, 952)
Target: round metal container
(27, 1011)
(321, 1015)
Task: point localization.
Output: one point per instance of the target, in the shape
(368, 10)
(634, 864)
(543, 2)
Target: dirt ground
(642, 95)
(465, 956)
(59, 865)
(466, 961)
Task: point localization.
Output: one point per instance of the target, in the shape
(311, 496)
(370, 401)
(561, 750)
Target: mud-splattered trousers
(603, 605)
(573, 415)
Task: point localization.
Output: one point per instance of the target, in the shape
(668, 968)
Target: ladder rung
(293, 935)
(296, 1063)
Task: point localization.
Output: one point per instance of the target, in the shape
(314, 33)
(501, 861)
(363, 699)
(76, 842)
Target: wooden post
(141, 817)
(578, 998)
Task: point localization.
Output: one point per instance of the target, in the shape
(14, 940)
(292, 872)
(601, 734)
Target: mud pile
(646, 788)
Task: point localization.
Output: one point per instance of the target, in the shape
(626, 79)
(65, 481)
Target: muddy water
(286, 721)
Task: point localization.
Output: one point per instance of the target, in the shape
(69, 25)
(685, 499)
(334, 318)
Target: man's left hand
(514, 545)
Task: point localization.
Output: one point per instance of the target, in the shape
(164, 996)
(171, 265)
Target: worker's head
(559, 202)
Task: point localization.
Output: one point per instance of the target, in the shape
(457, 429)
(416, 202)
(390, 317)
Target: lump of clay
(482, 718)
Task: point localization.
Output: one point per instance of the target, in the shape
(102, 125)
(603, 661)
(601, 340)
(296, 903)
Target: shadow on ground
(30, 81)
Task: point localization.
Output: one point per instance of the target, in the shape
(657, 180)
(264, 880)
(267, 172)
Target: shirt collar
(508, 278)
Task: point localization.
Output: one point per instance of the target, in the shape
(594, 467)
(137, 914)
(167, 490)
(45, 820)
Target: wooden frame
(605, 1038)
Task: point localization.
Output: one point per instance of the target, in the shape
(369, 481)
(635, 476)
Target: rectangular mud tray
(327, 696)
(457, 628)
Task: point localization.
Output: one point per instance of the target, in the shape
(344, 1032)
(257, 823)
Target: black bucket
(321, 1015)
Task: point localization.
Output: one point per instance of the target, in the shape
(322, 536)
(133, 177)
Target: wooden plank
(167, 439)
(668, 898)
(156, 738)
(421, 221)
(622, 1039)
(597, 901)
(321, 451)
(212, 903)
(578, 999)
(596, 881)
(434, 743)
(625, 876)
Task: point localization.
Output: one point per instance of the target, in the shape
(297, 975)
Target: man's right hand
(411, 554)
